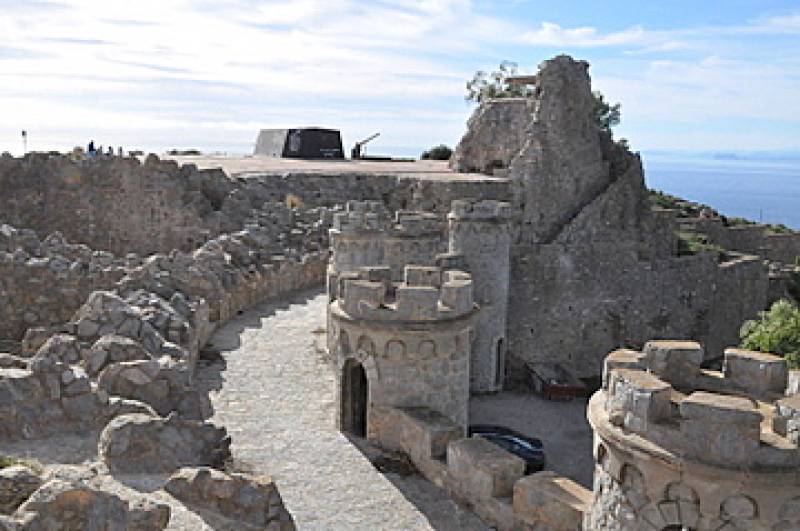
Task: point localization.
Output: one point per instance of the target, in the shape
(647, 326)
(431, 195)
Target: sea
(760, 190)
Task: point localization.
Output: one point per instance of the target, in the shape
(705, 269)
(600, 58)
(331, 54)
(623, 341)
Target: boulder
(250, 500)
(70, 505)
(56, 354)
(139, 443)
(112, 349)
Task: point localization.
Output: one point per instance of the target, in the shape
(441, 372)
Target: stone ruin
(98, 343)
(438, 288)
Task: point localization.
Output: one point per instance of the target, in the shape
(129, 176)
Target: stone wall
(572, 299)
(133, 347)
(483, 476)
(43, 282)
(755, 239)
(677, 446)
(495, 134)
(591, 262)
(115, 204)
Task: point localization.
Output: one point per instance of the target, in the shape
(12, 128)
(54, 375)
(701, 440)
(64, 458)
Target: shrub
(440, 152)
(777, 331)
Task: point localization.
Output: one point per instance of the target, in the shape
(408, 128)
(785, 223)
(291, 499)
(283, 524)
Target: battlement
(735, 418)
(426, 294)
(361, 217)
(485, 210)
(410, 224)
(369, 217)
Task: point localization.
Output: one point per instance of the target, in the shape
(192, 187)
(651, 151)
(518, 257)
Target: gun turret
(356, 151)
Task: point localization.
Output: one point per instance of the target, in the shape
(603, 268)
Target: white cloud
(190, 70)
(550, 34)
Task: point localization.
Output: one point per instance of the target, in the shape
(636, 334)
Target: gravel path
(275, 396)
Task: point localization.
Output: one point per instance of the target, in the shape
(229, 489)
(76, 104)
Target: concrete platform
(421, 169)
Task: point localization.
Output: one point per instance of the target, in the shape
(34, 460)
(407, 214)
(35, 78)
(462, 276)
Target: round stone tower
(400, 345)
(681, 448)
(479, 231)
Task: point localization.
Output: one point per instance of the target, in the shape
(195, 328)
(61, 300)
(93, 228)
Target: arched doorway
(354, 398)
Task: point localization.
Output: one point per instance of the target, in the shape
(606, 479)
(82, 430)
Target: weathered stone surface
(756, 372)
(8, 361)
(677, 362)
(483, 469)
(709, 461)
(56, 354)
(17, 483)
(547, 502)
(69, 505)
(113, 349)
(252, 501)
(139, 443)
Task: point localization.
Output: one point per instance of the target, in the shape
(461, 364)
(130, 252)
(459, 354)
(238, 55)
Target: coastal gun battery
(300, 143)
(358, 148)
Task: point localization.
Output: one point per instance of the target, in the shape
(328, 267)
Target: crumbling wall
(576, 299)
(755, 239)
(592, 263)
(43, 282)
(114, 204)
(482, 475)
(495, 134)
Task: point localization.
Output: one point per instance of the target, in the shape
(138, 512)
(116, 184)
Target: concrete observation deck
(234, 166)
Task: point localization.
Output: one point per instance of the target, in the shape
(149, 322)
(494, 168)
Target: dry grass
(34, 465)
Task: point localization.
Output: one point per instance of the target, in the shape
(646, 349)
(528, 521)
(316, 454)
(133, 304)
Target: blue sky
(721, 76)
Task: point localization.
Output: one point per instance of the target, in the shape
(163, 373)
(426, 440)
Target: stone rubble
(253, 501)
(140, 443)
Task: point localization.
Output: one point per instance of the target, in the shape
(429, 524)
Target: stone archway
(354, 399)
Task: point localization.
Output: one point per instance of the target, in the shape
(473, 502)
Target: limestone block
(423, 276)
(111, 349)
(756, 372)
(457, 292)
(547, 501)
(720, 429)
(483, 469)
(639, 397)
(248, 500)
(56, 353)
(73, 505)
(417, 303)
(139, 443)
(361, 296)
(427, 433)
(677, 362)
(786, 421)
(622, 359)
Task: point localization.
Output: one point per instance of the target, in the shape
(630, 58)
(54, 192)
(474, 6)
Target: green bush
(693, 243)
(440, 152)
(777, 331)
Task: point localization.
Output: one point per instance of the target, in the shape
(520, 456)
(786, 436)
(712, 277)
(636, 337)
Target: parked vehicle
(529, 449)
